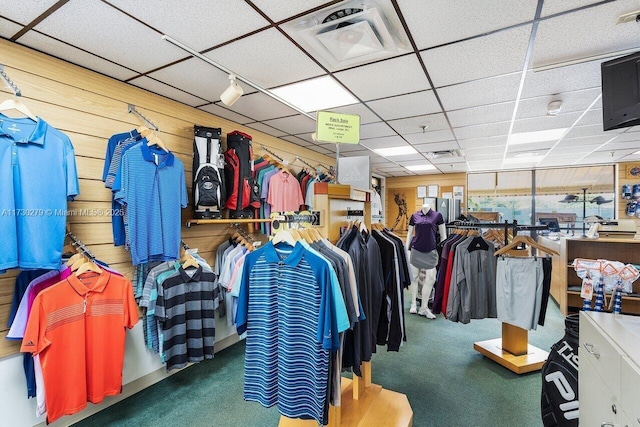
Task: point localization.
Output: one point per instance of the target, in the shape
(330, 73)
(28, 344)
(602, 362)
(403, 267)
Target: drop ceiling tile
(485, 165)
(375, 130)
(447, 160)
(298, 141)
(25, 11)
(478, 58)
(431, 137)
(293, 124)
(446, 21)
(617, 145)
(532, 147)
(8, 28)
(167, 91)
(411, 125)
(481, 131)
(454, 167)
(481, 157)
(366, 115)
(356, 153)
(380, 79)
(226, 114)
(203, 25)
(437, 146)
(406, 157)
(198, 78)
(482, 115)
(348, 148)
(583, 142)
(563, 79)
(419, 162)
(318, 149)
(134, 45)
(579, 40)
(386, 142)
(552, 7)
(266, 129)
(627, 137)
(480, 92)
(546, 122)
(591, 130)
(74, 55)
(393, 168)
(261, 107)
(267, 58)
(414, 104)
(483, 143)
(377, 160)
(593, 117)
(278, 10)
(571, 101)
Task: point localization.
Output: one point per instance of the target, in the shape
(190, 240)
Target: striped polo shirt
(293, 320)
(185, 307)
(151, 183)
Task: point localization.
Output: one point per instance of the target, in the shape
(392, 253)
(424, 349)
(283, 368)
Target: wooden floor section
(378, 407)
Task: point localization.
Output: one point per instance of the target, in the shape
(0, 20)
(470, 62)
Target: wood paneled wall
(407, 186)
(89, 108)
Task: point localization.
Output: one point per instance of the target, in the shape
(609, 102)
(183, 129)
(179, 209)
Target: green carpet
(446, 381)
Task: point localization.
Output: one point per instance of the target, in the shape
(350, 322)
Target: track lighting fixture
(232, 93)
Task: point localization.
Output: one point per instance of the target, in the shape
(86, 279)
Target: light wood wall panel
(407, 185)
(89, 108)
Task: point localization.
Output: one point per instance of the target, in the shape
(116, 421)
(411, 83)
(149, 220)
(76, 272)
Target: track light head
(232, 93)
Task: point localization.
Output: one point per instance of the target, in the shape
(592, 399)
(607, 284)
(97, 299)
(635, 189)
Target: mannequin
(421, 244)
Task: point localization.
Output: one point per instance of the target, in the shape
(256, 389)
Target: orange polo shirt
(77, 326)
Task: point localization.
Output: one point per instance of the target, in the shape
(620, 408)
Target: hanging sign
(338, 128)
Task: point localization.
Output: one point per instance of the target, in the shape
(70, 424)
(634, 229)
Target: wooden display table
(513, 350)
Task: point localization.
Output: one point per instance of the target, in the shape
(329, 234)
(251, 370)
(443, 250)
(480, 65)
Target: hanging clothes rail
(9, 83)
(266, 150)
(79, 245)
(132, 110)
(305, 163)
(512, 350)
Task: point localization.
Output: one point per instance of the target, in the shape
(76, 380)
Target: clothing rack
(242, 233)
(132, 110)
(512, 350)
(266, 150)
(9, 83)
(79, 245)
(298, 158)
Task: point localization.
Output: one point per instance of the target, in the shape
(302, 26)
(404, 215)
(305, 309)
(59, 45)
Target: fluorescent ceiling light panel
(395, 151)
(416, 168)
(538, 136)
(521, 160)
(316, 94)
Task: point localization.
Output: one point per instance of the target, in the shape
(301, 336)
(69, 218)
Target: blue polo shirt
(293, 320)
(38, 175)
(151, 183)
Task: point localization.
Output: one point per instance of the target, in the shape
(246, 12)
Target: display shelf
(531, 361)
(621, 249)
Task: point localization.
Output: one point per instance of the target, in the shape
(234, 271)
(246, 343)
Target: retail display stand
(362, 403)
(512, 350)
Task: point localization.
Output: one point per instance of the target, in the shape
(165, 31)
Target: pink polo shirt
(284, 193)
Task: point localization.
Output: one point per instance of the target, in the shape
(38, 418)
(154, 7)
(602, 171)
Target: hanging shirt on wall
(80, 323)
(151, 183)
(284, 193)
(38, 174)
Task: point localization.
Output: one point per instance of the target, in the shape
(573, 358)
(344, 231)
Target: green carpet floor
(446, 381)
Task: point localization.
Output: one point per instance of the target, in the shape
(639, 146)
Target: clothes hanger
(90, 265)
(528, 241)
(190, 261)
(284, 236)
(14, 104)
(75, 257)
(155, 140)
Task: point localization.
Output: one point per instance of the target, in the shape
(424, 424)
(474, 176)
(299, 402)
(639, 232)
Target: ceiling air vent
(350, 33)
(442, 154)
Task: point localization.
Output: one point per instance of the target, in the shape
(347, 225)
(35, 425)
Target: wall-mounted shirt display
(38, 176)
